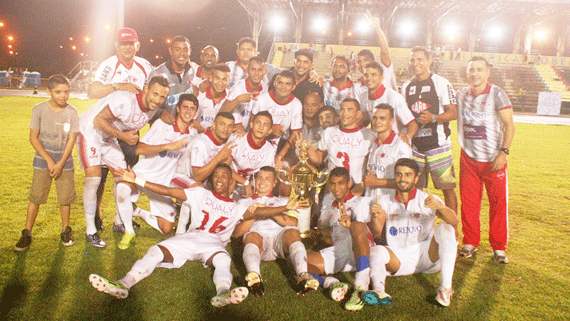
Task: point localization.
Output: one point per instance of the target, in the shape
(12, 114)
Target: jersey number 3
(345, 158)
(216, 227)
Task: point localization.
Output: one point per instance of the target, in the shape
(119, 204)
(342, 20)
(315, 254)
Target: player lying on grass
(272, 238)
(214, 218)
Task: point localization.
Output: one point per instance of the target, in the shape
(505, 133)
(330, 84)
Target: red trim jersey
(113, 71)
(409, 223)
(208, 110)
(384, 95)
(211, 213)
(479, 127)
(127, 108)
(242, 112)
(160, 167)
(288, 115)
(382, 158)
(268, 226)
(347, 148)
(249, 158)
(197, 79)
(199, 152)
(389, 77)
(333, 95)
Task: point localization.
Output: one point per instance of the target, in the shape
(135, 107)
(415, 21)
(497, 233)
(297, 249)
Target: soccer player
(53, 130)
(386, 150)
(341, 86)
(328, 117)
(117, 116)
(213, 98)
(162, 146)
(209, 57)
(377, 94)
(247, 49)
(302, 72)
(485, 129)
(243, 94)
(431, 99)
(272, 238)
(415, 245)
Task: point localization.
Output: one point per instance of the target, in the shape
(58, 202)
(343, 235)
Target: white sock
(124, 206)
(362, 279)
(222, 276)
(330, 280)
(90, 203)
(298, 257)
(445, 238)
(148, 217)
(143, 267)
(183, 219)
(252, 258)
(118, 220)
(379, 257)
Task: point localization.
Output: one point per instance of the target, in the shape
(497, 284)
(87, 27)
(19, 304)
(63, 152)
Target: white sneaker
(443, 296)
(234, 296)
(500, 256)
(467, 250)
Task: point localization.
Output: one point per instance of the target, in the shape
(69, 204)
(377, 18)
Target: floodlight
(364, 26)
(10, 38)
(408, 28)
(495, 33)
(451, 30)
(540, 34)
(1, 24)
(320, 24)
(278, 22)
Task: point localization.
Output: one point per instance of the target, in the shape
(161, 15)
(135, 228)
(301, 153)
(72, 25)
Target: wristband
(140, 181)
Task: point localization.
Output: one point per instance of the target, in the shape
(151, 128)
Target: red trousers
(472, 176)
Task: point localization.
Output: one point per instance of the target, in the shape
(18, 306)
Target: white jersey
(242, 112)
(347, 148)
(113, 71)
(208, 110)
(249, 158)
(408, 224)
(333, 95)
(382, 160)
(479, 127)
(288, 115)
(199, 152)
(198, 79)
(267, 227)
(127, 108)
(211, 213)
(357, 207)
(160, 168)
(383, 95)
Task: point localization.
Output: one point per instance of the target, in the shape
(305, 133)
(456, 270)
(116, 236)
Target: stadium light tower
(320, 24)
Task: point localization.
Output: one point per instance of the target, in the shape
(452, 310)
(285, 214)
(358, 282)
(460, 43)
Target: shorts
(329, 259)
(41, 184)
(96, 154)
(415, 259)
(160, 205)
(438, 162)
(192, 246)
(273, 244)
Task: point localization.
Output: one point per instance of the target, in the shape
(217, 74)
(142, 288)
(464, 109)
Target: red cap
(127, 34)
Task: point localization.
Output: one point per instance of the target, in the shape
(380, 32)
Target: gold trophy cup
(303, 177)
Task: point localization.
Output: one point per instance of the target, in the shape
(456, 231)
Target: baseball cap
(127, 34)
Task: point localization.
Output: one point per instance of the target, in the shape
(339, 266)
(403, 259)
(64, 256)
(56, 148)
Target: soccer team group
(219, 131)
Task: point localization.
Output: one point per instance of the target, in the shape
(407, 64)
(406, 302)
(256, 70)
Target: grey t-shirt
(54, 130)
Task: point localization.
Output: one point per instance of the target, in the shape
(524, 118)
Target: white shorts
(329, 258)
(160, 205)
(96, 154)
(192, 246)
(415, 259)
(272, 244)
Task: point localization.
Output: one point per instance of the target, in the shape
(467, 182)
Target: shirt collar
(378, 92)
(251, 89)
(212, 137)
(485, 91)
(255, 196)
(272, 95)
(140, 101)
(388, 140)
(177, 129)
(222, 197)
(351, 130)
(209, 94)
(252, 143)
(346, 198)
(348, 84)
(411, 196)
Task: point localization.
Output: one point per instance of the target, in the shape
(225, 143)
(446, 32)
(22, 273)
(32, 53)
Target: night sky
(40, 27)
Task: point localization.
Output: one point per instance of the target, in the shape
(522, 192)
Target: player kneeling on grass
(415, 245)
(272, 238)
(53, 131)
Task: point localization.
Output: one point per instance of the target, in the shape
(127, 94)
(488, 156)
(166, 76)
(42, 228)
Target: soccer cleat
(376, 297)
(99, 223)
(95, 240)
(234, 296)
(338, 291)
(67, 237)
(467, 250)
(25, 240)
(120, 228)
(126, 241)
(306, 283)
(443, 296)
(500, 256)
(113, 288)
(355, 303)
(254, 284)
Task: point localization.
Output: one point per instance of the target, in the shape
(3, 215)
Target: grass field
(49, 281)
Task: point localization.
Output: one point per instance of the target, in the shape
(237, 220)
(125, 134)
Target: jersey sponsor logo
(419, 106)
(252, 158)
(140, 119)
(218, 207)
(451, 93)
(169, 154)
(394, 231)
(424, 132)
(105, 72)
(474, 132)
(378, 168)
(412, 90)
(207, 118)
(473, 114)
(347, 141)
(426, 89)
(277, 112)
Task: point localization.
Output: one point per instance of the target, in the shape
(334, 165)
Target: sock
(447, 249)
(143, 267)
(222, 276)
(329, 280)
(362, 276)
(252, 258)
(380, 257)
(183, 219)
(90, 203)
(148, 217)
(319, 278)
(298, 257)
(124, 206)
(118, 220)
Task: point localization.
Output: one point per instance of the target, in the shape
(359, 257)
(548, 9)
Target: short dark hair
(386, 107)
(267, 169)
(179, 38)
(304, 52)
(480, 58)
(408, 162)
(422, 49)
(351, 100)
(57, 79)
(313, 93)
(263, 113)
(246, 40)
(366, 53)
(221, 67)
(257, 59)
(286, 74)
(158, 79)
(327, 108)
(342, 58)
(375, 65)
(226, 115)
(187, 97)
(339, 172)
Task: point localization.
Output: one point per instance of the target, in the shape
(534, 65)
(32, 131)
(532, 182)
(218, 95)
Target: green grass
(49, 281)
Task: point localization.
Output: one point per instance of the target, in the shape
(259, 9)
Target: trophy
(303, 177)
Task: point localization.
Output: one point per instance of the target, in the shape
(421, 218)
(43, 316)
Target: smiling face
(349, 114)
(265, 181)
(406, 179)
(373, 78)
(154, 96)
(381, 120)
(209, 57)
(478, 73)
(220, 80)
(362, 61)
(302, 65)
(340, 70)
(327, 119)
(180, 53)
(255, 71)
(283, 86)
(221, 178)
(126, 50)
(187, 111)
(419, 64)
(340, 187)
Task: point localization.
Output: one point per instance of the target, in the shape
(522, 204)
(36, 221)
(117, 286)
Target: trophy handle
(321, 174)
(284, 172)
